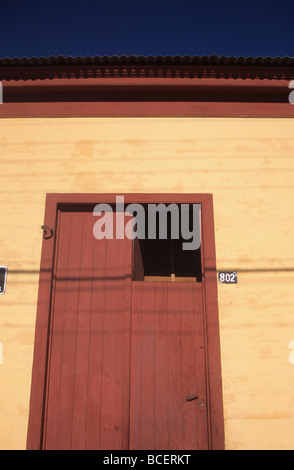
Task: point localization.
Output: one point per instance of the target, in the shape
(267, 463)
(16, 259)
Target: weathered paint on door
(126, 361)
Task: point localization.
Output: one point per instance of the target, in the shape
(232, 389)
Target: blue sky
(162, 27)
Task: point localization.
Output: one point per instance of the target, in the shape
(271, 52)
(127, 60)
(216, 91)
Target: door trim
(54, 201)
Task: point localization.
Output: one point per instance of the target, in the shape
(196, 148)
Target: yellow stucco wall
(248, 165)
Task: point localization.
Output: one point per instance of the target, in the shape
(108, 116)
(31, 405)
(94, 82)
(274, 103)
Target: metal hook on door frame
(46, 230)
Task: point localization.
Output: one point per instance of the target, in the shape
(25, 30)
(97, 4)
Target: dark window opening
(165, 259)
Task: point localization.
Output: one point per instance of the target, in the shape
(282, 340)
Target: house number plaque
(228, 277)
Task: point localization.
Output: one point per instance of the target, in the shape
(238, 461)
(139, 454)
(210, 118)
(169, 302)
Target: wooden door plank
(56, 346)
(176, 392)
(161, 385)
(80, 392)
(195, 435)
(123, 344)
(203, 404)
(88, 391)
(67, 373)
(64, 324)
(168, 378)
(96, 346)
(146, 371)
(115, 362)
(135, 369)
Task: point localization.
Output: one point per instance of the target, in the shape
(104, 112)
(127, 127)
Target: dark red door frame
(46, 284)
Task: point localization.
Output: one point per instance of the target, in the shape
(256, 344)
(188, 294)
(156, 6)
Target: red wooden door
(168, 405)
(119, 363)
(87, 400)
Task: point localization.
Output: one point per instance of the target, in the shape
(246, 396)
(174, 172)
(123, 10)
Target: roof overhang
(151, 86)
